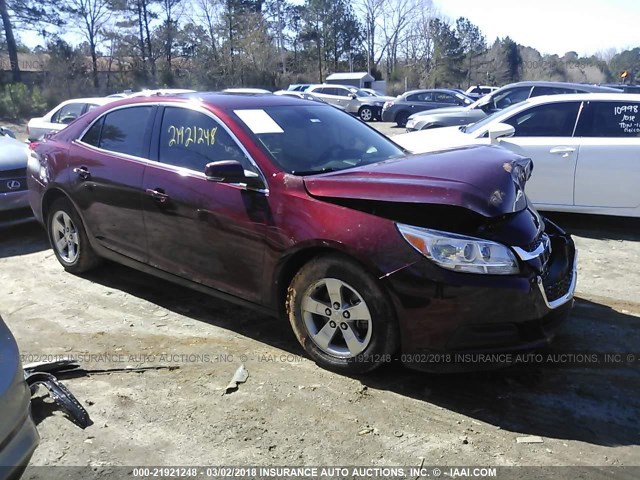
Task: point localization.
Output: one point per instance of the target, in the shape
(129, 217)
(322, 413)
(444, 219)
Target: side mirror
(500, 130)
(353, 96)
(225, 171)
(5, 131)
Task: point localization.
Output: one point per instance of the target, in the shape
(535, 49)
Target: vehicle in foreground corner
(496, 101)
(401, 108)
(303, 211)
(14, 197)
(585, 149)
(62, 115)
(18, 435)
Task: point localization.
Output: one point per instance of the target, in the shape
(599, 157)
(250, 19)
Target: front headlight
(461, 253)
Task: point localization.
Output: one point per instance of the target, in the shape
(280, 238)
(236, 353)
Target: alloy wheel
(337, 318)
(65, 238)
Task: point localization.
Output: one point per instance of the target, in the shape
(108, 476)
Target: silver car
(14, 201)
(18, 434)
(351, 99)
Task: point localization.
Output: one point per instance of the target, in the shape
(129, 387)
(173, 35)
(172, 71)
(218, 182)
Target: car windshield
(474, 127)
(464, 98)
(313, 139)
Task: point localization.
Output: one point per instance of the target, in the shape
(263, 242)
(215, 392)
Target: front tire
(366, 114)
(341, 316)
(69, 239)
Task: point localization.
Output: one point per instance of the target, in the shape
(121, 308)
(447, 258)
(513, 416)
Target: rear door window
(444, 98)
(610, 119)
(124, 131)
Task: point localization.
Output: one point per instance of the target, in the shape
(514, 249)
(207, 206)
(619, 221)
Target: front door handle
(83, 172)
(158, 195)
(564, 151)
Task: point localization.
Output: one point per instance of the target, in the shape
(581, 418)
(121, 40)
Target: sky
(553, 26)
(550, 26)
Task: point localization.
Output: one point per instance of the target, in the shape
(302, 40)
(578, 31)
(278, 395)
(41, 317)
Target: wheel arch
(50, 196)
(292, 263)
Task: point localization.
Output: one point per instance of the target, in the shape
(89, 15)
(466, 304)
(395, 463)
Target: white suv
(350, 99)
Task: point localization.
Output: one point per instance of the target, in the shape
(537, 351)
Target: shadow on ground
(588, 404)
(22, 239)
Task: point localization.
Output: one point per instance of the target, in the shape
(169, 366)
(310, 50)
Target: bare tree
(397, 17)
(93, 16)
(172, 10)
(371, 11)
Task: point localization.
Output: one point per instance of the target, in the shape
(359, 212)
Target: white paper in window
(259, 121)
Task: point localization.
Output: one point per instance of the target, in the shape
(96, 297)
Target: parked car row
(585, 149)
(496, 101)
(399, 110)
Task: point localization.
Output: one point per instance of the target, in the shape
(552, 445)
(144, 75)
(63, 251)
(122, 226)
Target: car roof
(543, 83)
(96, 100)
(421, 90)
(224, 100)
(580, 97)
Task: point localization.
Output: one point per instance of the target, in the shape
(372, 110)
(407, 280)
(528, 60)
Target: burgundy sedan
(305, 212)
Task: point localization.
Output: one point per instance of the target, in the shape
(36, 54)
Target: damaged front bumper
(444, 312)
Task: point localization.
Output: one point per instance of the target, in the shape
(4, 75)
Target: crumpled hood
(485, 179)
(13, 154)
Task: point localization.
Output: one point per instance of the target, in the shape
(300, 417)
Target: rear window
(610, 119)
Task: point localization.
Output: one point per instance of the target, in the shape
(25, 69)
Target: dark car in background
(496, 101)
(304, 212)
(18, 435)
(400, 109)
(14, 201)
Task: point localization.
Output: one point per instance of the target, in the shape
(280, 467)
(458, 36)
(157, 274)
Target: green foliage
(18, 102)
(447, 56)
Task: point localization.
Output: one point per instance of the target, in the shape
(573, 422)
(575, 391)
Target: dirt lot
(290, 412)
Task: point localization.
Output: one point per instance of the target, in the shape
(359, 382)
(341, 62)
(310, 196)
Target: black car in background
(496, 101)
(413, 101)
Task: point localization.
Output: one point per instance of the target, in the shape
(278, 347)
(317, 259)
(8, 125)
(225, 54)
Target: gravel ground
(159, 357)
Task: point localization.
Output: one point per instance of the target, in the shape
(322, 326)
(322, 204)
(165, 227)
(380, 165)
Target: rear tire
(341, 315)
(69, 239)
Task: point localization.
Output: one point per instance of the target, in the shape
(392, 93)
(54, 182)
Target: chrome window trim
(181, 170)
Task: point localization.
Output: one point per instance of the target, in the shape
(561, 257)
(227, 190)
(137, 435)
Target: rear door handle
(564, 151)
(158, 195)
(83, 172)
